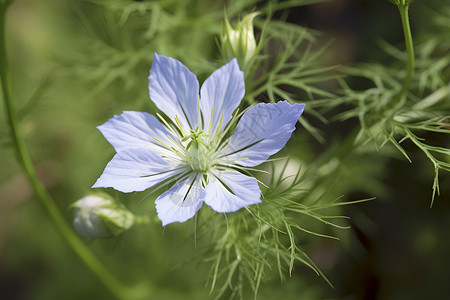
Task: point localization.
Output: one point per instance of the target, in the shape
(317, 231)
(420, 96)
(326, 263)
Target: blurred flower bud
(99, 216)
(240, 42)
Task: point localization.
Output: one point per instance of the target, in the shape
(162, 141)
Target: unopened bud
(99, 216)
(240, 42)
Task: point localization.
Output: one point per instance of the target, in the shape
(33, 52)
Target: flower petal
(221, 94)
(181, 201)
(134, 170)
(174, 90)
(133, 129)
(245, 191)
(263, 130)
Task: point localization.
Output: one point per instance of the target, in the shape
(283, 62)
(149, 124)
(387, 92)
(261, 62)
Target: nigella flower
(192, 147)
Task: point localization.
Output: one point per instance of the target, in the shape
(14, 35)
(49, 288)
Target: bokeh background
(76, 63)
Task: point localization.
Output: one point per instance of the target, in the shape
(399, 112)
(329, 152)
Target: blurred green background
(74, 64)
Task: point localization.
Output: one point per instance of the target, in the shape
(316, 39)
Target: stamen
(179, 126)
(210, 120)
(169, 126)
(164, 144)
(219, 128)
(175, 142)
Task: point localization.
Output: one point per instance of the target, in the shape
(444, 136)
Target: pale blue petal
(134, 170)
(133, 129)
(245, 191)
(221, 94)
(182, 201)
(174, 90)
(263, 130)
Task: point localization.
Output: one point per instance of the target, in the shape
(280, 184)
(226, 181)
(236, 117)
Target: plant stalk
(108, 279)
(403, 9)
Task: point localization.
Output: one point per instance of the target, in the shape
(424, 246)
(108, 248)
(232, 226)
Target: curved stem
(108, 279)
(403, 9)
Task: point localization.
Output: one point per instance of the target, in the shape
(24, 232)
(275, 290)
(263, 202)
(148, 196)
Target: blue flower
(192, 147)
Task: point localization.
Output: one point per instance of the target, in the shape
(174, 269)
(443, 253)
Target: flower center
(198, 150)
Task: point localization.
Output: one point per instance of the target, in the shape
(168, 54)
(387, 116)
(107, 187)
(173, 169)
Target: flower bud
(99, 216)
(240, 42)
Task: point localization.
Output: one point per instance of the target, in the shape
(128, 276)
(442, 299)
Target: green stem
(403, 9)
(144, 220)
(108, 279)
